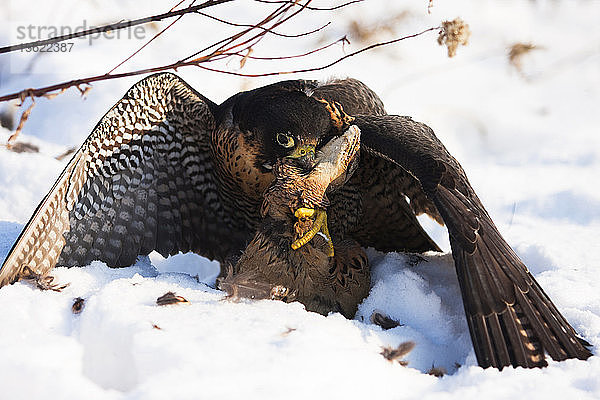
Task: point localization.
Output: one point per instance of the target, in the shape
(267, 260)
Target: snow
(528, 141)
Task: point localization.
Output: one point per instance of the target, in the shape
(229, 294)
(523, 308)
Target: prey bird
(167, 169)
(292, 255)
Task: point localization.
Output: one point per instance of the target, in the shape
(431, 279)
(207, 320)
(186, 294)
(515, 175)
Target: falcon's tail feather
(512, 320)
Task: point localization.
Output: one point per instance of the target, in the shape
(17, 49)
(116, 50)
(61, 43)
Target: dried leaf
(22, 147)
(438, 372)
(84, 91)
(384, 321)
(516, 52)
(396, 354)
(288, 331)
(245, 58)
(50, 96)
(170, 298)
(66, 154)
(77, 306)
(22, 121)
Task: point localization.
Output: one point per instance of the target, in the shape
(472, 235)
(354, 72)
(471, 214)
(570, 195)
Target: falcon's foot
(319, 225)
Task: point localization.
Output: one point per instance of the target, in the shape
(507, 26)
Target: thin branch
(260, 27)
(198, 63)
(310, 8)
(178, 4)
(112, 27)
(238, 35)
(173, 66)
(151, 40)
(340, 40)
(260, 35)
(375, 45)
(279, 18)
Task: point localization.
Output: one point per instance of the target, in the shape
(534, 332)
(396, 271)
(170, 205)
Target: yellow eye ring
(285, 140)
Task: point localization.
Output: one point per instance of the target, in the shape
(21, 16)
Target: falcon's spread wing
(372, 206)
(142, 181)
(512, 321)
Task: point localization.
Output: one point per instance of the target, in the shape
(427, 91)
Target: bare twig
(294, 35)
(151, 40)
(278, 16)
(248, 56)
(198, 62)
(323, 66)
(112, 27)
(310, 8)
(224, 42)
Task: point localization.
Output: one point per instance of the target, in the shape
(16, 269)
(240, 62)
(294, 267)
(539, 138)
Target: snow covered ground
(528, 140)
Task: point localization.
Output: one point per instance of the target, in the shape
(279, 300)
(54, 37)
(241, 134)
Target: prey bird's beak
(305, 155)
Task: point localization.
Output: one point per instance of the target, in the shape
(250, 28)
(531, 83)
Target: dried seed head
(452, 34)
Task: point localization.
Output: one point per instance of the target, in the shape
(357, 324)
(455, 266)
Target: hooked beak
(305, 155)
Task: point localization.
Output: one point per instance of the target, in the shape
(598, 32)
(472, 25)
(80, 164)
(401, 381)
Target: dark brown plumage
(167, 169)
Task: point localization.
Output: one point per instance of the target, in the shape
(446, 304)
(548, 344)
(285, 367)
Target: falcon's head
(283, 120)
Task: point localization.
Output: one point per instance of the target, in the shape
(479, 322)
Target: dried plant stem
(198, 62)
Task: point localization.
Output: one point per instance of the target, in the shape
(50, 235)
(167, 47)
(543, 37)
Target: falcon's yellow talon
(304, 212)
(319, 225)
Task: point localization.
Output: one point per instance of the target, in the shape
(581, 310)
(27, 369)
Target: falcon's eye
(285, 140)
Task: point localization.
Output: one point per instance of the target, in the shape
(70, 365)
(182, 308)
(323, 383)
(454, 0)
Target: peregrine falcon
(166, 169)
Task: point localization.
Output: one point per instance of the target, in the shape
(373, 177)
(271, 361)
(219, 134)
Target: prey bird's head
(296, 187)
